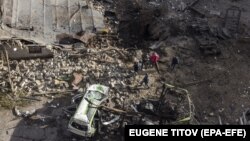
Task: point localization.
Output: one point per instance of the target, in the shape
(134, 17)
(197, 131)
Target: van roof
(86, 111)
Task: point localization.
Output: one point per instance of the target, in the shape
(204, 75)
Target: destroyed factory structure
(83, 69)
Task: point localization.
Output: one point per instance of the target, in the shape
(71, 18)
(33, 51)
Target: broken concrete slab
(77, 78)
(23, 113)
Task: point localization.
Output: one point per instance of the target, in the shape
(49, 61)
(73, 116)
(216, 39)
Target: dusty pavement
(217, 79)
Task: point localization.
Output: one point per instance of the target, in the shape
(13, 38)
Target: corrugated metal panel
(43, 20)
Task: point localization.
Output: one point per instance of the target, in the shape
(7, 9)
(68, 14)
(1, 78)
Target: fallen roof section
(49, 21)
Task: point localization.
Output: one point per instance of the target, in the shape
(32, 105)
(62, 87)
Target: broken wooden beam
(18, 51)
(56, 92)
(8, 65)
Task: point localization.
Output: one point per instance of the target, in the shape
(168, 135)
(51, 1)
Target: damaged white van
(82, 123)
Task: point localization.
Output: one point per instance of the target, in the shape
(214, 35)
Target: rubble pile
(46, 75)
(70, 70)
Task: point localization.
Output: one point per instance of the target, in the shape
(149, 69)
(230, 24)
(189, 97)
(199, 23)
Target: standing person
(145, 80)
(154, 58)
(145, 60)
(136, 67)
(140, 65)
(174, 62)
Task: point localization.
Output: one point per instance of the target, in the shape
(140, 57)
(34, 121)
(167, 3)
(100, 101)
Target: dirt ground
(226, 94)
(219, 88)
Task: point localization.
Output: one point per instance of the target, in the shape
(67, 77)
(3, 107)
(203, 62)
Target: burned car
(83, 121)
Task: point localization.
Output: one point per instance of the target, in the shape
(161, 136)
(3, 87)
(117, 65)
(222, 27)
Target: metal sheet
(44, 20)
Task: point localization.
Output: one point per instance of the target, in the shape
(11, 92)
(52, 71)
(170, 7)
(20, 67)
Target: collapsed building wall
(49, 21)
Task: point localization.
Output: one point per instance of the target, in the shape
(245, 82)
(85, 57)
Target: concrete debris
(24, 114)
(148, 107)
(111, 121)
(148, 121)
(77, 79)
(211, 114)
(55, 106)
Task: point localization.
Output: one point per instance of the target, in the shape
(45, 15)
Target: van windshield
(94, 95)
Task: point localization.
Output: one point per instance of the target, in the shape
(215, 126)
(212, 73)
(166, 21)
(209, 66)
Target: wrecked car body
(82, 123)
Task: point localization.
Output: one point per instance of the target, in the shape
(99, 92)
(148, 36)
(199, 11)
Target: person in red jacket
(154, 58)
